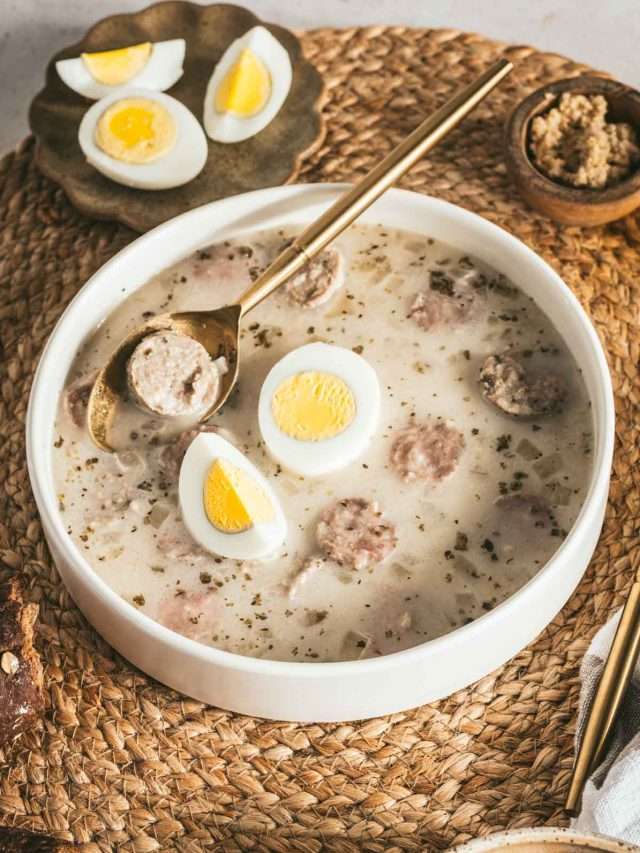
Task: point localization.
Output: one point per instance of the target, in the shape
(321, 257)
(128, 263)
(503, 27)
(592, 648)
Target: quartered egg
(319, 408)
(227, 505)
(247, 88)
(143, 139)
(156, 66)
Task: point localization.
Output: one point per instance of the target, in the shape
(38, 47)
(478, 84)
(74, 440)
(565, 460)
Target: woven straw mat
(122, 762)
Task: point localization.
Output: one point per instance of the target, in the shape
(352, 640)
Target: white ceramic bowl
(320, 691)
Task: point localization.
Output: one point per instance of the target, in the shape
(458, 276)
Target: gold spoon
(218, 330)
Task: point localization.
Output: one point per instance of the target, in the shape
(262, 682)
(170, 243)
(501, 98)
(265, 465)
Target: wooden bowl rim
(537, 102)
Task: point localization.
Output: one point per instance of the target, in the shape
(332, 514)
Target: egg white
(314, 458)
(162, 70)
(225, 127)
(258, 542)
(179, 166)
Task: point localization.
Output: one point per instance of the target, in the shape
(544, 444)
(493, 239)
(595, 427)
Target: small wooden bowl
(572, 205)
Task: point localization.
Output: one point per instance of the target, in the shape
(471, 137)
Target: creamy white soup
(475, 473)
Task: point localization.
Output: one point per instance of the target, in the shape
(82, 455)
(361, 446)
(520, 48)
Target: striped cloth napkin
(611, 799)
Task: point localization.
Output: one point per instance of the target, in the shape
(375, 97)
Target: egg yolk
(233, 501)
(136, 130)
(115, 67)
(246, 88)
(313, 406)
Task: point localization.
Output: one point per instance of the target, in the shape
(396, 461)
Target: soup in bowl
(402, 491)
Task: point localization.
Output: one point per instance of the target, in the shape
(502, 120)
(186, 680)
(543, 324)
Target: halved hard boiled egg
(143, 139)
(319, 408)
(247, 88)
(149, 65)
(227, 505)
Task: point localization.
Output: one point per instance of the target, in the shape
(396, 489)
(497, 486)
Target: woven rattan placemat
(122, 761)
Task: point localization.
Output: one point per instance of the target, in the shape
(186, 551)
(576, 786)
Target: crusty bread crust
(14, 840)
(21, 677)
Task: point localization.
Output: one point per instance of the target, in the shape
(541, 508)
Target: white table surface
(602, 33)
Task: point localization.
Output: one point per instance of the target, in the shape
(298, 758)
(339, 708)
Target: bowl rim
(541, 99)
(38, 451)
(560, 834)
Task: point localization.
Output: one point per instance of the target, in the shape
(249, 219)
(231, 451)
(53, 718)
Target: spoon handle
(352, 203)
(614, 681)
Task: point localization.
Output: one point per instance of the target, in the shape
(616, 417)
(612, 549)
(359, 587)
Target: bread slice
(14, 840)
(21, 677)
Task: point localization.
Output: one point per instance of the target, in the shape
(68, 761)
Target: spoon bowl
(217, 331)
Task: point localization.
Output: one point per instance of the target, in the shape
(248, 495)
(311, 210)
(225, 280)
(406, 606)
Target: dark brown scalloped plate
(271, 157)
